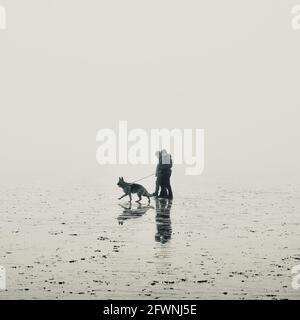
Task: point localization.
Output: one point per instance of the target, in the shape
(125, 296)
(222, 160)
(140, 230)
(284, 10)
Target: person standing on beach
(158, 174)
(163, 175)
(167, 164)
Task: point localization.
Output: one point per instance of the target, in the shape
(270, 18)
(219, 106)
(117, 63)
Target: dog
(130, 188)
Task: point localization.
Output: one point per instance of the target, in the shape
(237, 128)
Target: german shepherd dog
(130, 188)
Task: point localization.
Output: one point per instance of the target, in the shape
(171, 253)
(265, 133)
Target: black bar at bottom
(158, 309)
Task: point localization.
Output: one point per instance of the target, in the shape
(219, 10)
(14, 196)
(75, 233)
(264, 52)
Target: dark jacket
(165, 165)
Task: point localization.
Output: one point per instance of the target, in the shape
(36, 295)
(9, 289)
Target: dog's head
(120, 182)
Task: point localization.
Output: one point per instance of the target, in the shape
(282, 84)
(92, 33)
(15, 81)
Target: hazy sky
(71, 67)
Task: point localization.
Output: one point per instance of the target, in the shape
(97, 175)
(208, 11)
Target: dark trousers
(163, 182)
(157, 184)
(166, 184)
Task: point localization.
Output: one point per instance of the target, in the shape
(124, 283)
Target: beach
(80, 242)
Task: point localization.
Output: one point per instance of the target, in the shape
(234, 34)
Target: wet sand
(81, 243)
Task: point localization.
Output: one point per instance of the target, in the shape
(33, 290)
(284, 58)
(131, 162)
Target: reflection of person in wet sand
(132, 212)
(163, 220)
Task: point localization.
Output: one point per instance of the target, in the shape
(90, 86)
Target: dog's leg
(124, 195)
(140, 198)
(146, 194)
(129, 194)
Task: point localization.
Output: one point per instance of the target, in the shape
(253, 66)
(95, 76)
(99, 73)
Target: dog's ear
(122, 178)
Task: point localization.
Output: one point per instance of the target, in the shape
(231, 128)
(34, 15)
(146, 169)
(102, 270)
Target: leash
(150, 175)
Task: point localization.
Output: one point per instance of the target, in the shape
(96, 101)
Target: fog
(70, 68)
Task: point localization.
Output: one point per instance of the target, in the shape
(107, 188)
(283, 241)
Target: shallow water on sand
(80, 242)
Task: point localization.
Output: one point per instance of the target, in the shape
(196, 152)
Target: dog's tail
(147, 194)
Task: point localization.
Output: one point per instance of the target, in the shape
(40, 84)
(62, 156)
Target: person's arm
(159, 165)
(157, 169)
(160, 158)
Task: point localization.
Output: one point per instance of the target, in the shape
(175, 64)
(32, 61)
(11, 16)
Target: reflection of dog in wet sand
(132, 213)
(130, 188)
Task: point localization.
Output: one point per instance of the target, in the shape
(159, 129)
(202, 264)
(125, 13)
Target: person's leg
(163, 192)
(157, 184)
(168, 186)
